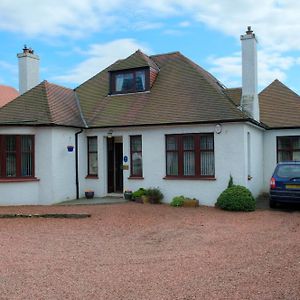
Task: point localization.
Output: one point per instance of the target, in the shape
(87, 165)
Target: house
(159, 121)
(7, 94)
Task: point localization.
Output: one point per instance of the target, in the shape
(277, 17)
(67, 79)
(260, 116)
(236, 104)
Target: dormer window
(129, 81)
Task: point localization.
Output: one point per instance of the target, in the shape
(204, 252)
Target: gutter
(76, 162)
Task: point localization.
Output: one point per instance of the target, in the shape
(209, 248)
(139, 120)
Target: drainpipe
(76, 162)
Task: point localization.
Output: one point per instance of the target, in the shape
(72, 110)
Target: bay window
(16, 156)
(190, 155)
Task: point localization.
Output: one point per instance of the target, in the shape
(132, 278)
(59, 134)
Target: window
(92, 156)
(136, 156)
(190, 155)
(16, 156)
(288, 148)
(130, 81)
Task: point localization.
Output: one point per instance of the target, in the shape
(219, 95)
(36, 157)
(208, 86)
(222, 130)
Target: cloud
(184, 24)
(271, 66)
(72, 18)
(98, 57)
(275, 21)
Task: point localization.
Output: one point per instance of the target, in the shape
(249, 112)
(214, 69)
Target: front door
(114, 166)
(119, 167)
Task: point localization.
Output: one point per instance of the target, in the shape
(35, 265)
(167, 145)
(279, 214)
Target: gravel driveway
(136, 251)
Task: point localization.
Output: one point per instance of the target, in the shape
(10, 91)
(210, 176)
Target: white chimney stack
(29, 69)
(249, 101)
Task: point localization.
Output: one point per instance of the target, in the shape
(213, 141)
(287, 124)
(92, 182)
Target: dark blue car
(285, 183)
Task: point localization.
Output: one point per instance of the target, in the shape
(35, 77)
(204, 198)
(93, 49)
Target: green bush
(155, 195)
(177, 201)
(139, 193)
(236, 198)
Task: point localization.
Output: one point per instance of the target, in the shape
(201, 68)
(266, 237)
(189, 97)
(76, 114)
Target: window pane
(207, 142)
(140, 81)
(11, 165)
(92, 144)
(284, 156)
(172, 143)
(136, 143)
(207, 163)
(93, 164)
(127, 82)
(284, 143)
(92, 156)
(188, 143)
(172, 163)
(189, 163)
(119, 82)
(26, 143)
(296, 143)
(136, 163)
(26, 156)
(296, 155)
(26, 166)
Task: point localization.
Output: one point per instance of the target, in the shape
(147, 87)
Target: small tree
(230, 182)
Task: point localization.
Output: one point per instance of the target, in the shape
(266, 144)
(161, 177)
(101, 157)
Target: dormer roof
(182, 93)
(136, 60)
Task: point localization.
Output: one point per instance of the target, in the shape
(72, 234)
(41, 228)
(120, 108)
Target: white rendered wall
(230, 158)
(270, 151)
(254, 158)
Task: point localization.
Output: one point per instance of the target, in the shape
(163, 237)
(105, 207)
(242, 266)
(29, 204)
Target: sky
(76, 39)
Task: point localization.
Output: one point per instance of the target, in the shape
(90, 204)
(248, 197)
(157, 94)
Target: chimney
(29, 69)
(249, 101)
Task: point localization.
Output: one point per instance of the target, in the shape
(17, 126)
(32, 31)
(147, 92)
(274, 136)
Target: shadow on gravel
(262, 203)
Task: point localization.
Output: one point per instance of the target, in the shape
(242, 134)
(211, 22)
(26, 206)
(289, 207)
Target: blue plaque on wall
(125, 158)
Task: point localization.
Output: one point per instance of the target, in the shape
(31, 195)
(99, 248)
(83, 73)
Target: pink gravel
(136, 251)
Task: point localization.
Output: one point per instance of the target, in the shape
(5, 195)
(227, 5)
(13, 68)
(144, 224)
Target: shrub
(236, 198)
(230, 182)
(177, 201)
(139, 193)
(155, 195)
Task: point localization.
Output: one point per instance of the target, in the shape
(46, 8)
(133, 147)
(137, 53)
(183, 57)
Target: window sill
(128, 93)
(20, 179)
(189, 178)
(91, 177)
(136, 177)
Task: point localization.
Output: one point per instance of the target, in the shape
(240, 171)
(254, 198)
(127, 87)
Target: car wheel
(272, 203)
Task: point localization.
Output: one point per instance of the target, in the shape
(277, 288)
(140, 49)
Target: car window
(288, 171)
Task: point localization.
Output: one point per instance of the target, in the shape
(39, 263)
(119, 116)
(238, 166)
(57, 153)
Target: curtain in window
(136, 155)
(119, 82)
(137, 163)
(11, 164)
(140, 80)
(188, 156)
(92, 156)
(127, 82)
(207, 163)
(172, 156)
(288, 148)
(26, 156)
